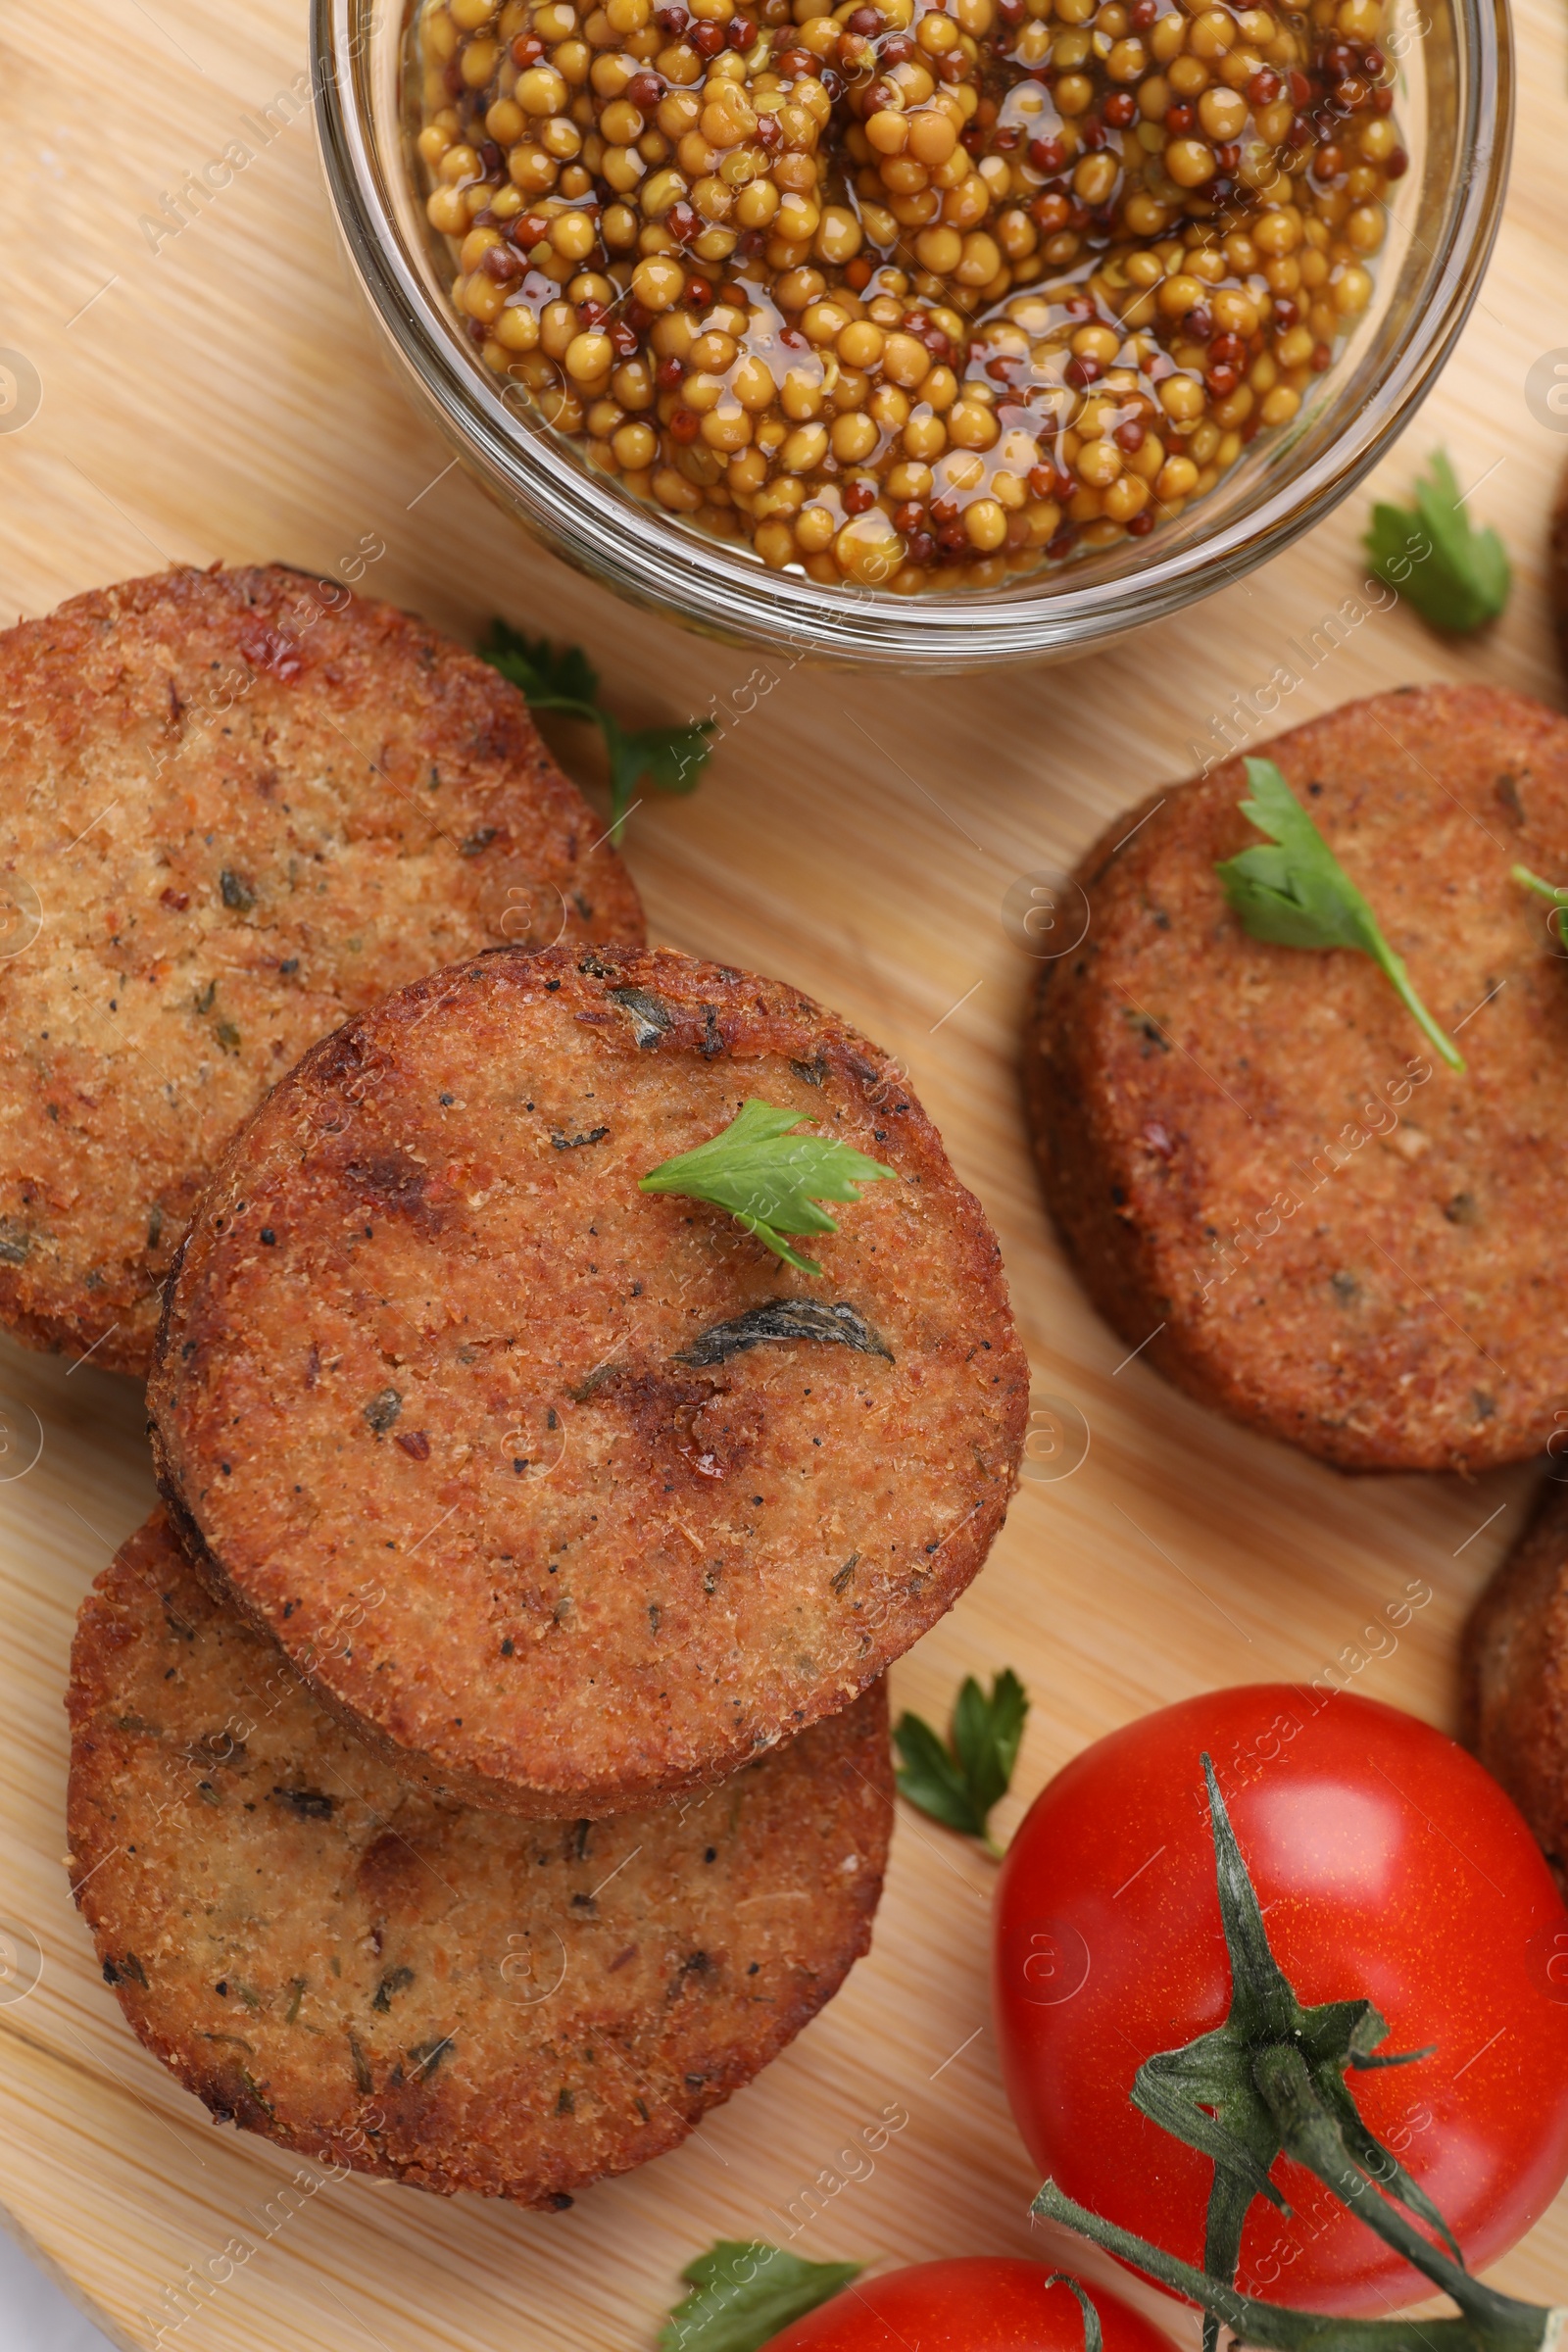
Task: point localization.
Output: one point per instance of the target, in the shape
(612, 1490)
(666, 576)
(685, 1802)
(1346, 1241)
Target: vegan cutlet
(1515, 1673)
(523, 1466)
(1266, 1178)
(452, 1998)
(241, 806)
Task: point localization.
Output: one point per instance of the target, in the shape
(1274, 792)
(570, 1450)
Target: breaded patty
(1515, 1675)
(461, 1416)
(1557, 565)
(410, 1988)
(1264, 1177)
(233, 815)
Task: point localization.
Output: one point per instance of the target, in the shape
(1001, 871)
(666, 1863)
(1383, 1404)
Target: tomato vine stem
(1271, 2081)
(1507, 2325)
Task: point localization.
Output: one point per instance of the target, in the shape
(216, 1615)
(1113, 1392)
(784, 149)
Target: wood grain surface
(221, 398)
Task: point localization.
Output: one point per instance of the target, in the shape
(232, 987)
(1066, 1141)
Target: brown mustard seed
(925, 293)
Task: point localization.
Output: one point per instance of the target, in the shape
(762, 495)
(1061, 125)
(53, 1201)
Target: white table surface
(34, 2316)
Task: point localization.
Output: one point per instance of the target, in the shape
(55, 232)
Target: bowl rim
(653, 561)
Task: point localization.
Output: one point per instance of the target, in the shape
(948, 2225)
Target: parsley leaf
(1555, 893)
(673, 759)
(1544, 890)
(745, 2293)
(1298, 895)
(551, 681)
(768, 1178)
(958, 1784)
(1457, 578)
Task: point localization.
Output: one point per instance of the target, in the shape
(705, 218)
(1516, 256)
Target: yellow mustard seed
(802, 288)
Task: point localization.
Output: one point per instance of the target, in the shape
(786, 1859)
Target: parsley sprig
(769, 1179)
(745, 2292)
(1456, 577)
(672, 758)
(1294, 891)
(958, 1783)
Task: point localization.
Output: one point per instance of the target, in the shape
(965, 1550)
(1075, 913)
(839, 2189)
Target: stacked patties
(482, 1770)
(600, 1524)
(407, 1986)
(239, 806)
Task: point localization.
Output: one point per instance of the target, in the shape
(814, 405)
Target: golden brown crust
(1515, 1675)
(1558, 566)
(405, 1986)
(423, 1402)
(1251, 1152)
(242, 812)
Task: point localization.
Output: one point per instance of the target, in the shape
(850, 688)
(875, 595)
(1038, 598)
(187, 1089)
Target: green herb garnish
(1457, 578)
(743, 2294)
(769, 1179)
(1543, 890)
(958, 1784)
(1297, 895)
(672, 758)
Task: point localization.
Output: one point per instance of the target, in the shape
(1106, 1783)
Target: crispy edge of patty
(1078, 1142)
(43, 664)
(1557, 567)
(1058, 1103)
(449, 2130)
(1514, 1675)
(705, 1002)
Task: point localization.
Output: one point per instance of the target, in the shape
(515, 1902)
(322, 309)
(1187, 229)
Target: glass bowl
(1455, 102)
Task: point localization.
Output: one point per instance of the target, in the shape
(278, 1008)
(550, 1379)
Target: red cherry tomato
(983, 2304)
(1388, 1864)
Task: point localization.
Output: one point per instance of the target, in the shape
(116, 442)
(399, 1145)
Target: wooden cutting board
(220, 397)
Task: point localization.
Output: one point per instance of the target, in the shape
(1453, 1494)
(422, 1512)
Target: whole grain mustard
(925, 293)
